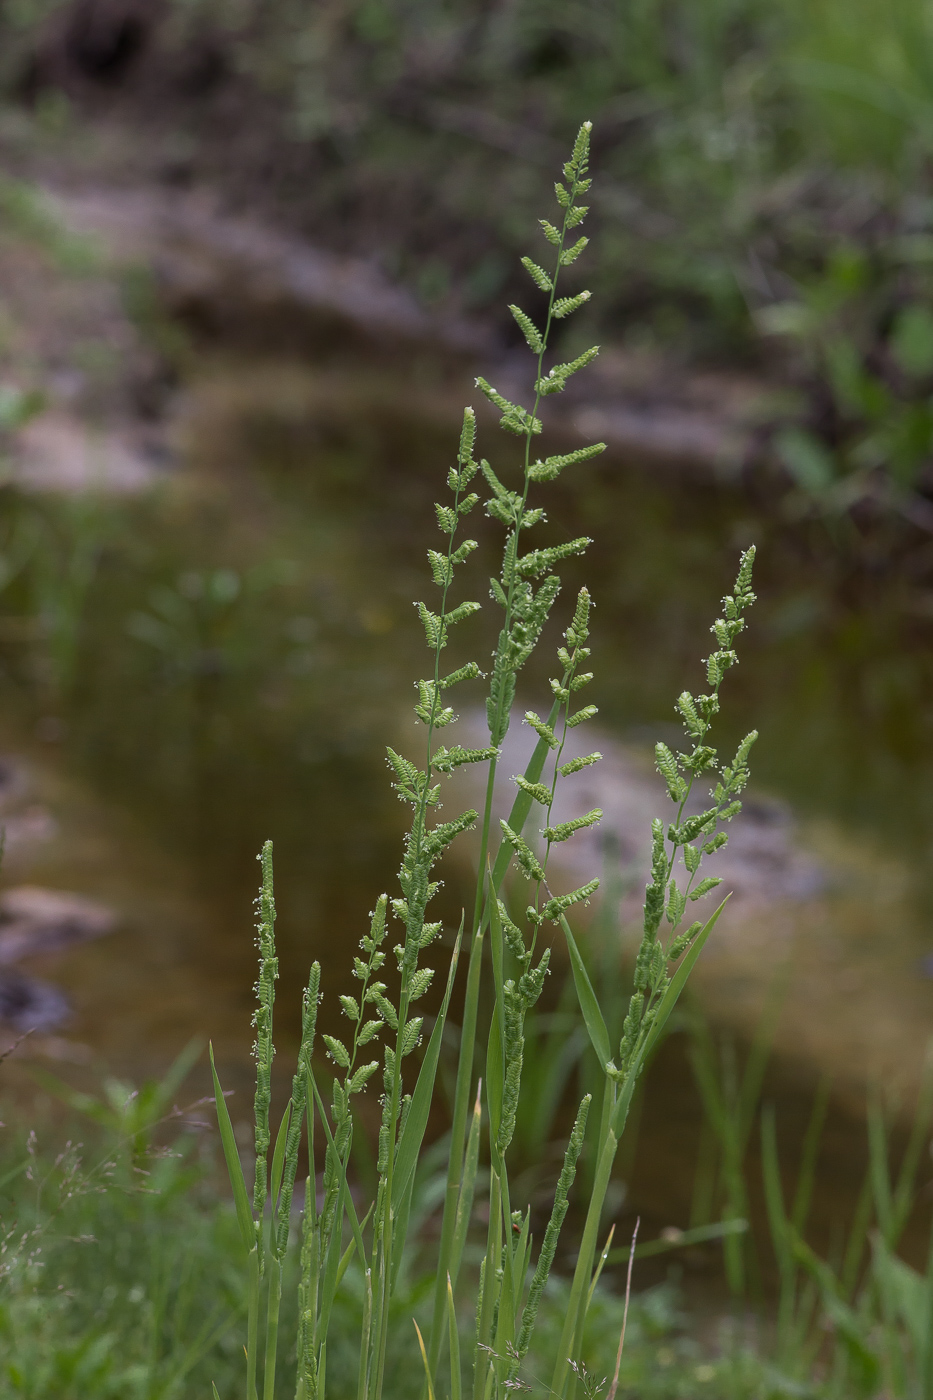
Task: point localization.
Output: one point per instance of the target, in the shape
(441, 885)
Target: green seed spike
(550, 232)
(468, 672)
(566, 306)
(467, 440)
(309, 1005)
(710, 883)
(433, 629)
(264, 1050)
(361, 1077)
(667, 767)
(552, 1232)
(744, 749)
(581, 150)
(570, 255)
(683, 940)
(743, 584)
(562, 902)
(676, 903)
(462, 551)
(556, 378)
(538, 791)
(349, 1006)
(515, 419)
(441, 568)
(564, 830)
(688, 710)
(512, 935)
(409, 1038)
(537, 275)
(446, 760)
(579, 630)
(539, 561)
(528, 328)
(458, 614)
(543, 730)
(421, 982)
(513, 1053)
(531, 982)
(551, 467)
(337, 1051)
(527, 860)
(575, 764)
(440, 836)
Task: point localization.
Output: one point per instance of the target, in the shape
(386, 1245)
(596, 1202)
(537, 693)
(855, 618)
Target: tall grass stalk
(510, 976)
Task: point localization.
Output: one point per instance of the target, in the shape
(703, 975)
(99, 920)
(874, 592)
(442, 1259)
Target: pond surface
(230, 663)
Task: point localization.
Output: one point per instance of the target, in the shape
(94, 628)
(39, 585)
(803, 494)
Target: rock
(57, 452)
(35, 920)
(14, 781)
(27, 1004)
(23, 824)
(761, 863)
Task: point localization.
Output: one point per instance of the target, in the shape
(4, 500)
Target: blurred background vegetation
(764, 192)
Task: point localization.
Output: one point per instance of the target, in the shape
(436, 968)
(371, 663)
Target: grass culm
(501, 952)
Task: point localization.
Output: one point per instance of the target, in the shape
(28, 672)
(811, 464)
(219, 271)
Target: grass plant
(337, 1238)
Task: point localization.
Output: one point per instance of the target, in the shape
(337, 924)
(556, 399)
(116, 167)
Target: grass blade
(467, 1188)
(453, 1337)
(878, 1166)
(589, 1005)
(774, 1196)
(244, 1213)
(417, 1121)
(601, 1264)
(679, 979)
(809, 1154)
(424, 1358)
(278, 1159)
(346, 1202)
(628, 1294)
(454, 1193)
(702, 1234)
(668, 1002)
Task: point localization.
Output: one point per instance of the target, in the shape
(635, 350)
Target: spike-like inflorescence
(691, 835)
(296, 1109)
(552, 1232)
(263, 1048)
(525, 589)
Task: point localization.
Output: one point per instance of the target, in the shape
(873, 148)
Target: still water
(246, 645)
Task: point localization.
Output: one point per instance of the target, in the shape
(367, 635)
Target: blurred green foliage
(765, 194)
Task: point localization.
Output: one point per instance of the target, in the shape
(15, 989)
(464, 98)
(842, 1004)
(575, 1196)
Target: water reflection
(244, 645)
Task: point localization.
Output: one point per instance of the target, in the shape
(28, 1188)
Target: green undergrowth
(121, 1277)
(766, 194)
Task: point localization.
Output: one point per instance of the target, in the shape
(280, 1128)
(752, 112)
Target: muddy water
(247, 645)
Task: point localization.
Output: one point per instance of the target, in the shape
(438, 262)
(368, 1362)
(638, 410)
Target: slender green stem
(579, 1289)
(252, 1323)
(493, 1251)
(272, 1328)
(462, 1095)
(385, 1230)
(458, 1131)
